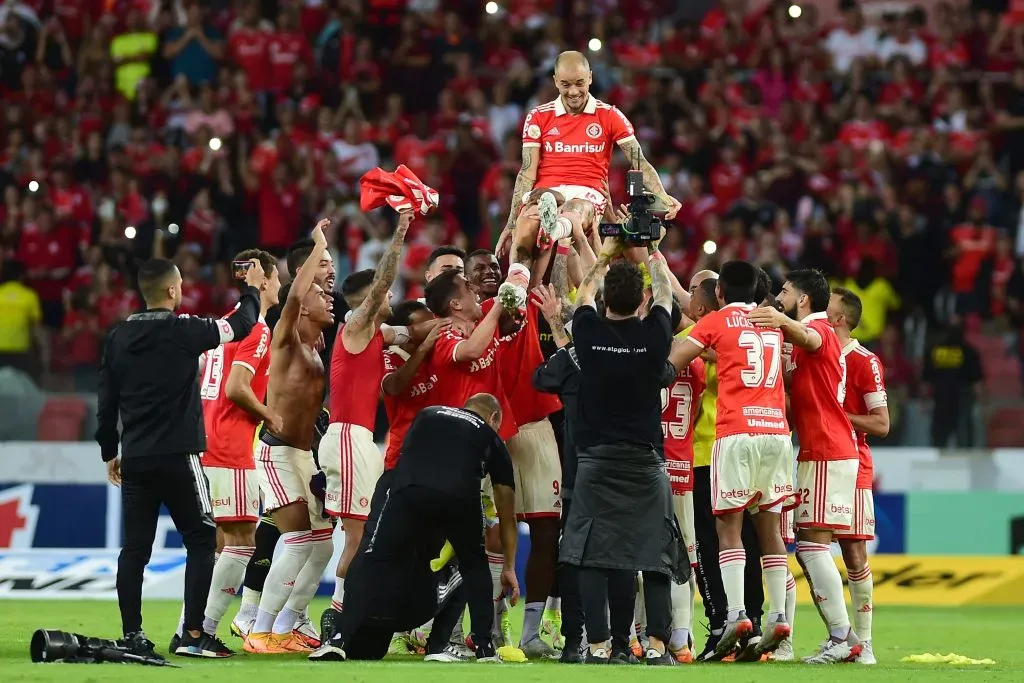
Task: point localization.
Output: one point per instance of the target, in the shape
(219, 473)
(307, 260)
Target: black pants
(179, 483)
(396, 551)
(569, 590)
(616, 588)
(709, 576)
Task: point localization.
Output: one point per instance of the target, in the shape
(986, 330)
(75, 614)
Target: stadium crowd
(889, 154)
(778, 149)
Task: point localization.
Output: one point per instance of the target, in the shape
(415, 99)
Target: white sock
(250, 603)
(228, 574)
(862, 586)
(693, 595)
(181, 622)
(682, 614)
(732, 563)
(790, 600)
(296, 547)
(775, 568)
(321, 549)
(518, 272)
(495, 562)
(563, 229)
(338, 599)
(826, 586)
(531, 621)
(640, 606)
(553, 604)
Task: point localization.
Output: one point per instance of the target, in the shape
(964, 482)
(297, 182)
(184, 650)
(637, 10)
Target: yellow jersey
(20, 312)
(704, 428)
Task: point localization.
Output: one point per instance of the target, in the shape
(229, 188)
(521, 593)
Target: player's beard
(791, 312)
(575, 106)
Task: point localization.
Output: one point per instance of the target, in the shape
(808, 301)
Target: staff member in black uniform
(148, 379)
(434, 495)
(621, 519)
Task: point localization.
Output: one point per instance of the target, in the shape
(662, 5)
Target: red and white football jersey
(355, 381)
(402, 409)
(230, 431)
(751, 392)
(458, 380)
(519, 355)
(575, 149)
(816, 396)
(865, 391)
(679, 404)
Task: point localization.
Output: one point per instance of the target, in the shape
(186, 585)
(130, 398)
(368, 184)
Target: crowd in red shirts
(140, 127)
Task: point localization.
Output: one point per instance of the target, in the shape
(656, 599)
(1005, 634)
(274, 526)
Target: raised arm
(661, 285)
(652, 181)
(359, 323)
(560, 281)
(301, 284)
(471, 349)
(525, 179)
(587, 290)
(551, 307)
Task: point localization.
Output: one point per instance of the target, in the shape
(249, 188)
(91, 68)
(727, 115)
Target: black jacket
(148, 378)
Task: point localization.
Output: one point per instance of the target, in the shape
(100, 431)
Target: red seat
(1004, 428)
(62, 419)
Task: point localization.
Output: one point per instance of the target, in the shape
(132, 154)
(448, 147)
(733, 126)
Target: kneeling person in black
(434, 495)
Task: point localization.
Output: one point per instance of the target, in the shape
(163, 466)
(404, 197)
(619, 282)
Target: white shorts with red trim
(682, 505)
(353, 464)
(751, 471)
(538, 473)
(284, 475)
(863, 527)
(595, 197)
(826, 489)
(234, 494)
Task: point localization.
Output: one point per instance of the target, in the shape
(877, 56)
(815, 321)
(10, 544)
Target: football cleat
(836, 651)
(551, 626)
(683, 656)
(867, 654)
(784, 652)
(536, 648)
(736, 630)
(775, 633)
(450, 654)
(655, 658)
(330, 651)
(204, 645)
(330, 623)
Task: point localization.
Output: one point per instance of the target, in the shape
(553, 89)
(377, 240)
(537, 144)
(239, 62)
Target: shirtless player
(567, 146)
(284, 460)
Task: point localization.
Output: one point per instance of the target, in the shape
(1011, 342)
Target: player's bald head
(571, 60)
(700, 276)
(487, 407)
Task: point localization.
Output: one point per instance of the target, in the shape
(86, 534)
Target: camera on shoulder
(643, 227)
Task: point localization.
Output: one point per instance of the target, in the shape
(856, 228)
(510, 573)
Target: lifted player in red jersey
(752, 459)
(567, 146)
(679, 405)
(827, 462)
(867, 407)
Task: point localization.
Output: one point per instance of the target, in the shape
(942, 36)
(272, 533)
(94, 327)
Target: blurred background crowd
(880, 142)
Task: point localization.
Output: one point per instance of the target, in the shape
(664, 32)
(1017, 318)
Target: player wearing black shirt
(434, 495)
(621, 520)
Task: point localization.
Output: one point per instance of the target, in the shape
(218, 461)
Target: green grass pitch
(975, 632)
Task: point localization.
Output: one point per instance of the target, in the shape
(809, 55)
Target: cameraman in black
(621, 519)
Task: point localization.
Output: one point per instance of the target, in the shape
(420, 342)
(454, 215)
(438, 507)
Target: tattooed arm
(524, 183)
(587, 290)
(652, 181)
(560, 281)
(359, 330)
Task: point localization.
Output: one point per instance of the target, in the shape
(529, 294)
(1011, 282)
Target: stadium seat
(1004, 428)
(62, 419)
